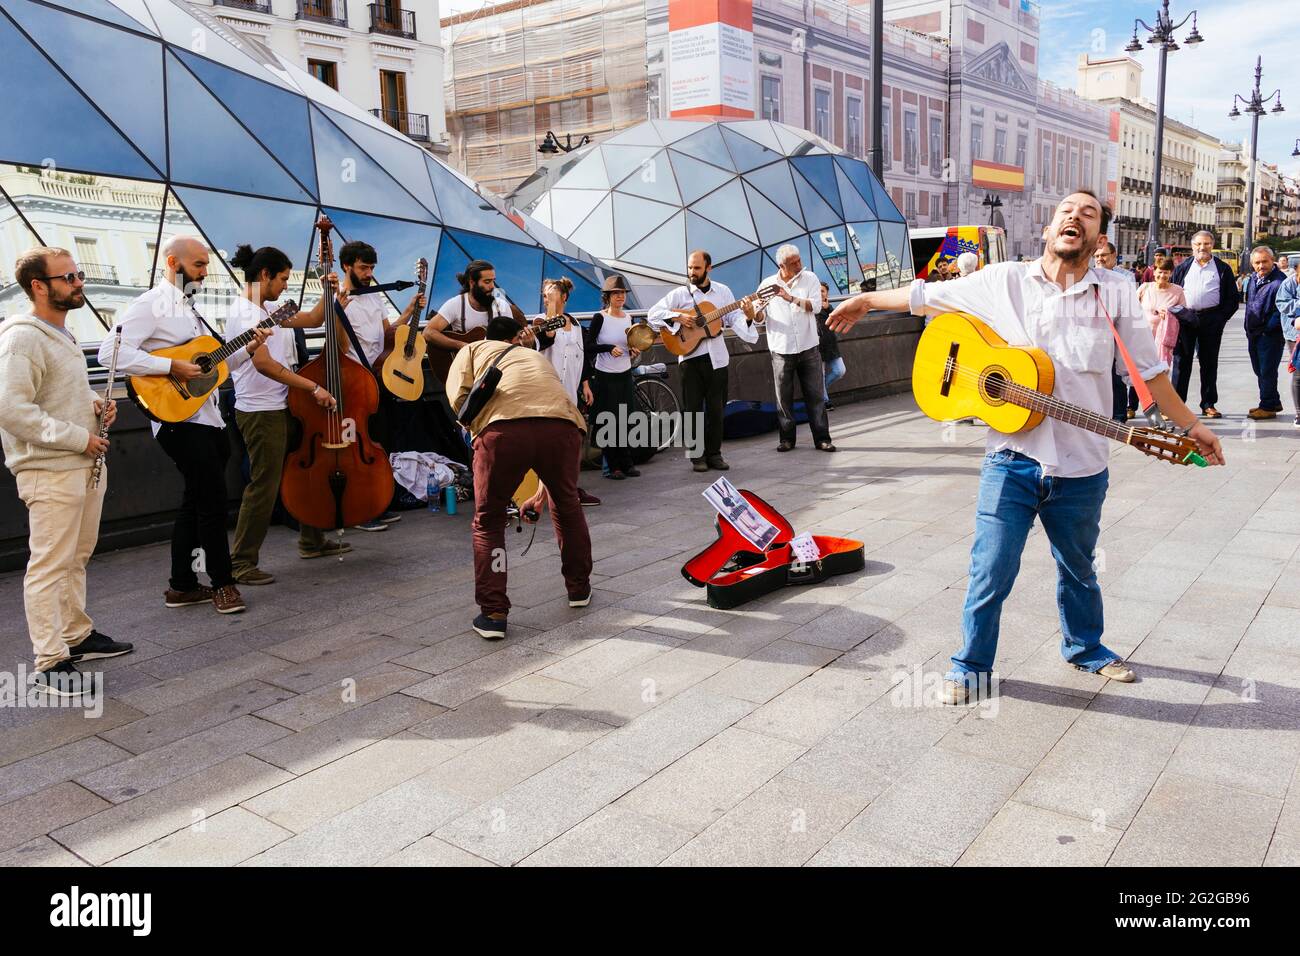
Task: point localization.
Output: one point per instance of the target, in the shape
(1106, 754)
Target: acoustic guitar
(165, 398)
(708, 322)
(963, 369)
(402, 369)
(440, 359)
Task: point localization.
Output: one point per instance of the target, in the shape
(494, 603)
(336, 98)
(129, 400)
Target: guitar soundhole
(992, 381)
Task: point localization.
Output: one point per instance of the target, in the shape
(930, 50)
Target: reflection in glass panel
(79, 139)
(212, 301)
(773, 224)
(741, 275)
(277, 117)
(893, 238)
(209, 36)
(707, 145)
(105, 11)
(451, 261)
(400, 157)
(665, 248)
(572, 206)
(596, 235)
(462, 207)
(864, 238)
(851, 201)
(820, 171)
(121, 71)
(585, 296)
(397, 244)
(775, 183)
(720, 244)
(109, 225)
(696, 178)
(727, 207)
(518, 267)
(799, 242)
(746, 153)
(635, 218)
(832, 245)
(351, 180)
(588, 172)
(816, 213)
(228, 221)
(622, 161)
(653, 180)
(859, 174)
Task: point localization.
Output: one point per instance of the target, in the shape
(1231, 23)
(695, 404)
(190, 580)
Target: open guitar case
(733, 573)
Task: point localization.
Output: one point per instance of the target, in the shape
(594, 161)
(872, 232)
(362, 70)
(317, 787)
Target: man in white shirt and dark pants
(1053, 472)
(793, 341)
(1212, 299)
(704, 370)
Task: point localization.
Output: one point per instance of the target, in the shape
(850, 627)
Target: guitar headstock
(421, 272)
(767, 292)
(1167, 446)
(286, 311)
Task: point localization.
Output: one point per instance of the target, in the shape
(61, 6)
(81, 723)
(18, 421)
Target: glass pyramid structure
(143, 118)
(642, 200)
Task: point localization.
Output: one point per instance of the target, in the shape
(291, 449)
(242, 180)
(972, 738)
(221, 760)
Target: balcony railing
(324, 11)
(251, 6)
(392, 20)
(414, 125)
(99, 274)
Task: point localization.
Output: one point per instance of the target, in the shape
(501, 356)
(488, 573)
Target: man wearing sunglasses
(49, 429)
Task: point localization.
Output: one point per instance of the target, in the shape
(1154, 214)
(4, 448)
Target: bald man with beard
(162, 317)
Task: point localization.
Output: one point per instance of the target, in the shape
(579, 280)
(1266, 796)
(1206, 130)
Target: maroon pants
(503, 453)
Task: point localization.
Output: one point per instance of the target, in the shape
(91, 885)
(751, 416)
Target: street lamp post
(992, 202)
(1162, 36)
(876, 158)
(551, 144)
(1255, 107)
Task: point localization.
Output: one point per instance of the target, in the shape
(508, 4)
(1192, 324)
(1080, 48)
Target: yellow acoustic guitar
(963, 369)
(403, 369)
(165, 398)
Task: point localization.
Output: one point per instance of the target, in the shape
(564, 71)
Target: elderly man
(1212, 299)
(1264, 329)
(793, 340)
(967, 263)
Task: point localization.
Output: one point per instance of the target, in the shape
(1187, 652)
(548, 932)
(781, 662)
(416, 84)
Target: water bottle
(451, 499)
(433, 494)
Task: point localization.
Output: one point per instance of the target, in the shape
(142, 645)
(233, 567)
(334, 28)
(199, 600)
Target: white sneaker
(1118, 671)
(954, 693)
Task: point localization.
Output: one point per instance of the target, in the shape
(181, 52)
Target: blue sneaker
(375, 525)
(490, 627)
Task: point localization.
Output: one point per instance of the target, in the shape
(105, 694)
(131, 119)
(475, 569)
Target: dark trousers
(200, 453)
(807, 367)
(1201, 342)
(704, 386)
(503, 453)
(1265, 356)
(615, 399)
(1122, 399)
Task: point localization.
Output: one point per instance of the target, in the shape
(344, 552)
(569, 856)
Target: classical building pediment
(997, 65)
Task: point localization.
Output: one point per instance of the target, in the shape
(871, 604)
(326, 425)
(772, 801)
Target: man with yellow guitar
(1048, 400)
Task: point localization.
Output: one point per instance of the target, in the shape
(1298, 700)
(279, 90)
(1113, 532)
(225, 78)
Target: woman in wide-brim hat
(612, 385)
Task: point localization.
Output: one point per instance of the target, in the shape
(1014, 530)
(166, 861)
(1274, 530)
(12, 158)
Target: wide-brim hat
(615, 283)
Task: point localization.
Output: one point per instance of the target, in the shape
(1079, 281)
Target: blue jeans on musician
(1013, 492)
(834, 370)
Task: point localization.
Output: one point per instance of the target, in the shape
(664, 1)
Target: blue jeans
(834, 369)
(1013, 491)
(1265, 356)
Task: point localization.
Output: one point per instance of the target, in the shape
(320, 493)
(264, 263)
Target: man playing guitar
(477, 304)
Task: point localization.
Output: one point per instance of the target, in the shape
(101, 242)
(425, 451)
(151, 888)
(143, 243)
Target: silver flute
(97, 471)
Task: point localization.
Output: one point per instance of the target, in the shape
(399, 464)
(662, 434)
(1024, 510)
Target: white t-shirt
(461, 307)
(255, 392)
(368, 314)
(614, 332)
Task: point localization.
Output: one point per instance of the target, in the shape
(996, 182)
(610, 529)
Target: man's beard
(74, 300)
(700, 281)
(1080, 257)
(189, 284)
(481, 298)
(356, 281)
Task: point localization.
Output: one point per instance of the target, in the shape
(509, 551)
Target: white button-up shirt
(368, 315)
(1026, 308)
(1201, 285)
(159, 319)
(686, 297)
(792, 329)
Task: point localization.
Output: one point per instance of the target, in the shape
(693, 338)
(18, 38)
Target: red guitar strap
(1144, 394)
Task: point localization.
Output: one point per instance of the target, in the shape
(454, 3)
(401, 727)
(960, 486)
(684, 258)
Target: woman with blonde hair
(566, 348)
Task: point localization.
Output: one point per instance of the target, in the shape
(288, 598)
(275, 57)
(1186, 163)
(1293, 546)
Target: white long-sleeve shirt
(686, 297)
(792, 329)
(161, 318)
(1027, 309)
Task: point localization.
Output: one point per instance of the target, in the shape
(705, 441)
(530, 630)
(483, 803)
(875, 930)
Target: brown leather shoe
(174, 598)
(227, 600)
(1261, 414)
(1212, 412)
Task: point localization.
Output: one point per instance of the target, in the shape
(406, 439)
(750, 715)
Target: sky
(1201, 79)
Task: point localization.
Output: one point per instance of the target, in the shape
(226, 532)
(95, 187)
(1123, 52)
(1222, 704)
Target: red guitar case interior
(732, 572)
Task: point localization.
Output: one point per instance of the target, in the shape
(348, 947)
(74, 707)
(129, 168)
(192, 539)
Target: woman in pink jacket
(1157, 299)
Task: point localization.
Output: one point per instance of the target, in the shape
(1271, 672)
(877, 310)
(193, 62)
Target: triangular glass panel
(696, 178)
(855, 267)
(654, 180)
(213, 298)
(463, 208)
(451, 261)
(760, 131)
(833, 247)
(670, 131)
(105, 11)
(820, 270)
(775, 184)
(816, 213)
(349, 179)
(121, 72)
(643, 134)
(727, 207)
(664, 248)
(204, 139)
(587, 173)
(621, 161)
(137, 11)
(596, 234)
(745, 153)
(791, 142)
(855, 207)
(585, 296)
(820, 171)
(864, 238)
(885, 208)
(279, 120)
(399, 157)
(887, 267)
(229, 220)
(720, 244)
(740, 275)
(518, 267)
(195, 30)
(893, 236)
(572, 206)
(707, 145)
(94, 147)
(635, 218)
(799, 242)
(398, 245)
(773, 224)
(542, 211)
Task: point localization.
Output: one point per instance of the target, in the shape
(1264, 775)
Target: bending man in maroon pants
(530, 422)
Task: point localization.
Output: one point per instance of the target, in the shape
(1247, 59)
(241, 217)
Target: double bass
(337, 476)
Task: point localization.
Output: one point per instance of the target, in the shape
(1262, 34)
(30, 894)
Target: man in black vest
(1212, 299)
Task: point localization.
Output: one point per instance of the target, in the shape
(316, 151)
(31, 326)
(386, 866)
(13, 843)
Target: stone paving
(351, 717)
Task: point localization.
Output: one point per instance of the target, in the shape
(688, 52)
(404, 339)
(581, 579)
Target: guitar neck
(1052, 407)
(720, 312)
(239, 341)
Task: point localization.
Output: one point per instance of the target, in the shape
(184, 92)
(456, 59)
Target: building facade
(384, 57)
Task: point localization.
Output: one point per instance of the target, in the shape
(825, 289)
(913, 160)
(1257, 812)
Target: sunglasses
(68, 277)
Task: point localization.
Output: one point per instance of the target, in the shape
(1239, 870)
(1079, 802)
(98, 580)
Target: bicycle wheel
(655, 398)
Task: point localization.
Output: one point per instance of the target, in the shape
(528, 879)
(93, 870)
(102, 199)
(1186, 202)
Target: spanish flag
(997, 176)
